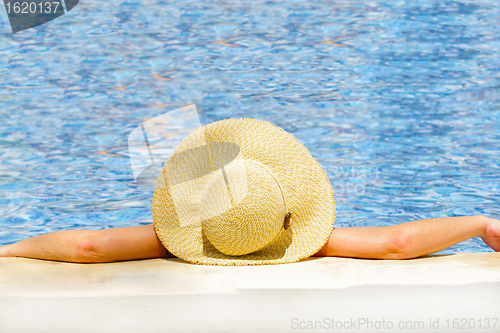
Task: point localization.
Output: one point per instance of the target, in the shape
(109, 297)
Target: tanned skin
(402, 241)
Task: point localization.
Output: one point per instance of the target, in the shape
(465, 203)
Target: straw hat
(242, 192)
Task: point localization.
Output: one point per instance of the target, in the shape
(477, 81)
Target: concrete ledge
(430, 294)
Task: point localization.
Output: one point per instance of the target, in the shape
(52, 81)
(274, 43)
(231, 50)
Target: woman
(403, 241)
(268, 201)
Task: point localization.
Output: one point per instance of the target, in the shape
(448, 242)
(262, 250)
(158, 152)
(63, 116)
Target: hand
(492, 234)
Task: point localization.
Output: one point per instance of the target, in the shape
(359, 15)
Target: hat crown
(243, 208)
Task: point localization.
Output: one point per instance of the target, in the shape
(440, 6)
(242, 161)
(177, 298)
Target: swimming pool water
(398, 100)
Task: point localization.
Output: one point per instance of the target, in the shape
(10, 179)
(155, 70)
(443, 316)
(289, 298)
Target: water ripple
(397, 100)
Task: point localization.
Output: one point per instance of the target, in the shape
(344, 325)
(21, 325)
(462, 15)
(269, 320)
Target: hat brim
(308, 194)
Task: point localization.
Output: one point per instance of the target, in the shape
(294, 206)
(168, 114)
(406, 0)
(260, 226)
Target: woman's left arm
(411, 239)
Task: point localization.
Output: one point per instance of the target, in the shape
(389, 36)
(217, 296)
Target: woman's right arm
(90, 246)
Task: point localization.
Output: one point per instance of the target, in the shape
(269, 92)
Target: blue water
(398, 100)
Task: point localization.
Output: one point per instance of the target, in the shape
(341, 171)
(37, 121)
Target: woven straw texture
(196, 201)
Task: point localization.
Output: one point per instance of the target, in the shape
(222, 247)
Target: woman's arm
(411, 239)
(403, 241)
(86, 246)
